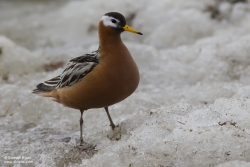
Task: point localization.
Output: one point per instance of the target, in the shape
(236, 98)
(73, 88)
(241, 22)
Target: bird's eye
(113, 21)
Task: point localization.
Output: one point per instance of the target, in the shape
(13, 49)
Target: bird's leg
(110, 120)
(81, 122)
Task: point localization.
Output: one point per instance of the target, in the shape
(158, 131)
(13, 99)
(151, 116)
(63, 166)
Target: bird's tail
(47, 86)
(43, 88)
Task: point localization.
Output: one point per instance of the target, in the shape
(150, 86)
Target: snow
(192, 106)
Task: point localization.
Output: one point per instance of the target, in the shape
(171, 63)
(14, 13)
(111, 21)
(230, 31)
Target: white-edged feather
(74, 72)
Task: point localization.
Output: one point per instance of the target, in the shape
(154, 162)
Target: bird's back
(75, 71)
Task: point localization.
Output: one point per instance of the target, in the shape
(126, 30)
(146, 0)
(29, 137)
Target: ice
(192, 106)
(14, 59)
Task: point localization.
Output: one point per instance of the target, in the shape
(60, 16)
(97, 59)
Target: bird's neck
(107, 40)
(110, 41)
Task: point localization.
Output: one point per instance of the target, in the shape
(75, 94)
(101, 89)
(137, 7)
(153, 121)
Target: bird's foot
(115, 134)
(85, 146)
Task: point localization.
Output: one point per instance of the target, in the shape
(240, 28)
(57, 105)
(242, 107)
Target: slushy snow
(192, 106)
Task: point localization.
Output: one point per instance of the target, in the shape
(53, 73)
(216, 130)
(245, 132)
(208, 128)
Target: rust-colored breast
(115, 78)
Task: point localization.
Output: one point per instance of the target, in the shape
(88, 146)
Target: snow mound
(15, 59)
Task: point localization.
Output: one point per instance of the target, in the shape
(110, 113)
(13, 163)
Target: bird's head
(116, 23)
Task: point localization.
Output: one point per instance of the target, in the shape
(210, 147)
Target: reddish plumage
(114, 77)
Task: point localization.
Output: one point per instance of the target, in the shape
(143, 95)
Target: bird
(98, 79)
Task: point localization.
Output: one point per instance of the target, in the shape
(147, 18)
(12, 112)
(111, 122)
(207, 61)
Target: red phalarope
(98, 79)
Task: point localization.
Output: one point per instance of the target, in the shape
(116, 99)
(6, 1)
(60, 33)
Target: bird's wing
(75, 71)
(77, 68)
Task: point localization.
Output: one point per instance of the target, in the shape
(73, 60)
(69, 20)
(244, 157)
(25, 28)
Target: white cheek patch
(107, 21)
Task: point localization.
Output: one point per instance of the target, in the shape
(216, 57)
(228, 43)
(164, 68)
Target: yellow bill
(130, 29)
